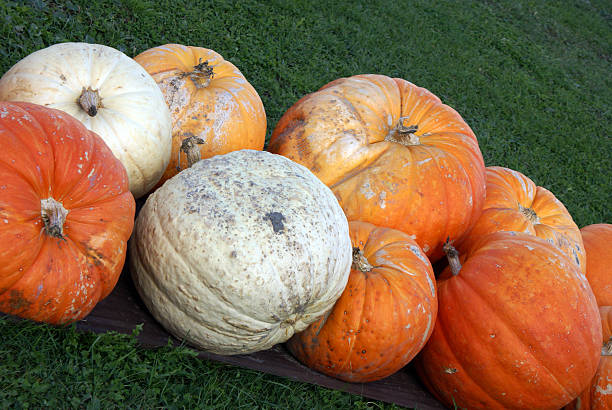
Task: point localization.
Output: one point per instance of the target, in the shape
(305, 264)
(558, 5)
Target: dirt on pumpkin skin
(16, 303)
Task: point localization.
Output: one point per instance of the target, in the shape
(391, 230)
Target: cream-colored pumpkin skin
(240, 251)
(133, 118)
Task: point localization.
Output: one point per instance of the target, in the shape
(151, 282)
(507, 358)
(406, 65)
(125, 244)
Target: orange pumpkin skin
(50, 163)
(517, 328)
(597, 241)
(384, 316)
(214, 109)
(514, 203)
(598, 396)
(423, 175)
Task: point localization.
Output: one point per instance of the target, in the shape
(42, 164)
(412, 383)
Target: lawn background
(532, 79)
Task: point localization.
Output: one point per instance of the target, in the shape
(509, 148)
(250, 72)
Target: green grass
(532, 78)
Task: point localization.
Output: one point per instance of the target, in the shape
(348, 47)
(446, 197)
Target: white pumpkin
(240, 251)
(109, 93)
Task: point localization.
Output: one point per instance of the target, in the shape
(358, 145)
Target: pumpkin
(384, 316)
(109, 93)
(597, 241)
(598, 396)
(65, 215)
(514, 203)
(517, 327)
(393, 154)
(214, 109)
(240, 251)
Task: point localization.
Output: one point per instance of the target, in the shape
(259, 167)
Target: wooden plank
(123, 310)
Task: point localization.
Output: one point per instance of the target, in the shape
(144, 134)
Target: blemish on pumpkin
(277, 219)
(450, 370)
(17, 302)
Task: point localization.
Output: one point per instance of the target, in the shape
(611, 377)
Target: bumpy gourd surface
(240, 251)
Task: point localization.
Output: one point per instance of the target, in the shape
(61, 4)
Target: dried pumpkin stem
(529, 214)
(360, 262)
(404, 134)
(606, 350)
(190, 146)
(202, 74)
(453, 257)
(53, 215)
(90, 101)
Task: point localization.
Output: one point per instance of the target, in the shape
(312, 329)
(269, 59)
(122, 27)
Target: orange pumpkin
(214, 109)
(384, 316)
(514, 203)
(392, 152)
(518, 327)
(66, 214)
(598, 396)
(597, 242)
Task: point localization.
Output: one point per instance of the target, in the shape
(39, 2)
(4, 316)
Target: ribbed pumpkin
(393, 154)
(514, 203)
(518, 327)
(597, 242)
(109, 93)
(214, 108)
(598, 396)
(384, 316)
(65, 215)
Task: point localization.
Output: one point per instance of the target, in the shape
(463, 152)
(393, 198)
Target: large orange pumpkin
(518, 327)
(598, 396)
(66, 214)
(214, 109)
(514, 203)
(393, 154)
(384, 316)
(598, 242)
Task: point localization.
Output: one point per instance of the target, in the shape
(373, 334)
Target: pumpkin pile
(326, 240)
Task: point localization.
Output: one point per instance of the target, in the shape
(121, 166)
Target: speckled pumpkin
(518, 327)
(384, 316)
(214, 109)
(65, 215)
(392, 152)
(239, 251)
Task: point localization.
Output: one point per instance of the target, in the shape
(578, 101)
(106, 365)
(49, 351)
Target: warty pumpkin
(393, 154)
(240, 251)
(65, 215)
(384, 316)
(597, 240)
(214, 109)
(598, 396)
(517, 328)
(513, 202)
(109, 93)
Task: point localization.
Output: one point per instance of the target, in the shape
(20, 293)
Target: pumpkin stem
(530, 214)
(202, 74)
(90, 101)
(453, 257)
(606, 350)
(190, 146)
(53, 215)
(403, 134)
(360, 262)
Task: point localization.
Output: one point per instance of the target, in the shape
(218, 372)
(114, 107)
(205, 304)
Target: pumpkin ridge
(496, 312)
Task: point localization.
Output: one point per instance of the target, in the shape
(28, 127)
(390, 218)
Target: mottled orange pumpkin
(384, 316)
(214, 109)
(66, 214)
(393, 154)
(597, 240)
(598, 396)
(518, 327)
(514, 203)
